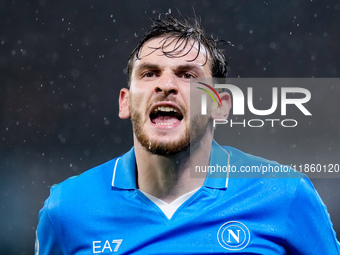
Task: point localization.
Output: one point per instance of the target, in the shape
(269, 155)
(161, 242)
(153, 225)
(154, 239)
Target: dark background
(62, 64)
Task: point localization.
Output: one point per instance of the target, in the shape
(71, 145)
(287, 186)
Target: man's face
(159, 96)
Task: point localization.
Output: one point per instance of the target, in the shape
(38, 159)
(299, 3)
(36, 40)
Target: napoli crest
(233, 235)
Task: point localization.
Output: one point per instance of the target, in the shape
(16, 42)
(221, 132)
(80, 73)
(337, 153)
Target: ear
(124, 103)
(222, 111)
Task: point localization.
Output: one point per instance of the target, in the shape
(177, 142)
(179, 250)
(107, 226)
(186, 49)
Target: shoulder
(71, 203)
(240, 156)
(81, 189)
(246, 165)
(275, 181)
(89, 179)
(269, 180)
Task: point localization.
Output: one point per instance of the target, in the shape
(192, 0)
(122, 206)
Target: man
(145, 202)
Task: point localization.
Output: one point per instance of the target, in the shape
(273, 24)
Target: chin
(165, 147)
(168, 149)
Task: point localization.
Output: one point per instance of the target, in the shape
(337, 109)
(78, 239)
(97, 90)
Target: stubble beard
(198, 125)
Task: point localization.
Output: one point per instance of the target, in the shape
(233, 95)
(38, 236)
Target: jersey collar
(124, 172)
(218, 157)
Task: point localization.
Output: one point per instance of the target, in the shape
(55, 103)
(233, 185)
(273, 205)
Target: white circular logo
(233, 235)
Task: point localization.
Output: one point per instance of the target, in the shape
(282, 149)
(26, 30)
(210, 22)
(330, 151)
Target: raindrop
(117, 140)
(62, 139)
(106, 121)
(75, 73)
(273, 45)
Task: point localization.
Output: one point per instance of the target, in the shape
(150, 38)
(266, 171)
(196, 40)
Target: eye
(148, 74)
(187, 76)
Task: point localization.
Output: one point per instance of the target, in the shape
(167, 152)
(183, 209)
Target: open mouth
(166, 116)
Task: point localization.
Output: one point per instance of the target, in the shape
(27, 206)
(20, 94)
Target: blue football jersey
(102, 212)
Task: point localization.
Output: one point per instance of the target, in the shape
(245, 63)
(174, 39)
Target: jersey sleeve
(309, 229)
(48, 241)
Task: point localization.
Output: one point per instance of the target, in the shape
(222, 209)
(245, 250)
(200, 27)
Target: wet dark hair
(182, 32)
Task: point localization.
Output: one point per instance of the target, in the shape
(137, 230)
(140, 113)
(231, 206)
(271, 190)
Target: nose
(167, 85)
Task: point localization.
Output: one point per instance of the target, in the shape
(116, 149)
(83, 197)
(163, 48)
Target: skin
(162, 153)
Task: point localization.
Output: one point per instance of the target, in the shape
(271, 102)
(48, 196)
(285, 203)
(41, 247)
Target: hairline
(133, 58)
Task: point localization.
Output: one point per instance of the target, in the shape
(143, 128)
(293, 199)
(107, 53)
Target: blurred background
(62, 64)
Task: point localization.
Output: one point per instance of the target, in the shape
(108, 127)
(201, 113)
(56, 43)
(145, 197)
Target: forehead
(181, 50)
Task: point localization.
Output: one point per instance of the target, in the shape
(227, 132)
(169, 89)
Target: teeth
(164, 124)
(165, 109)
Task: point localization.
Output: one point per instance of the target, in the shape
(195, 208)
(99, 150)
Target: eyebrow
(191, 67)
(148, 66)
(187, 67)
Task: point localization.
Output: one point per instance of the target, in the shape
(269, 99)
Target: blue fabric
(96, 214)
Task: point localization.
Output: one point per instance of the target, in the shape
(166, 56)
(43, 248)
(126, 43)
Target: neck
(168, 177)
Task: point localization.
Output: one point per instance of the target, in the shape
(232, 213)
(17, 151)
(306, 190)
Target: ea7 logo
(106, 246)
(233, 235)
